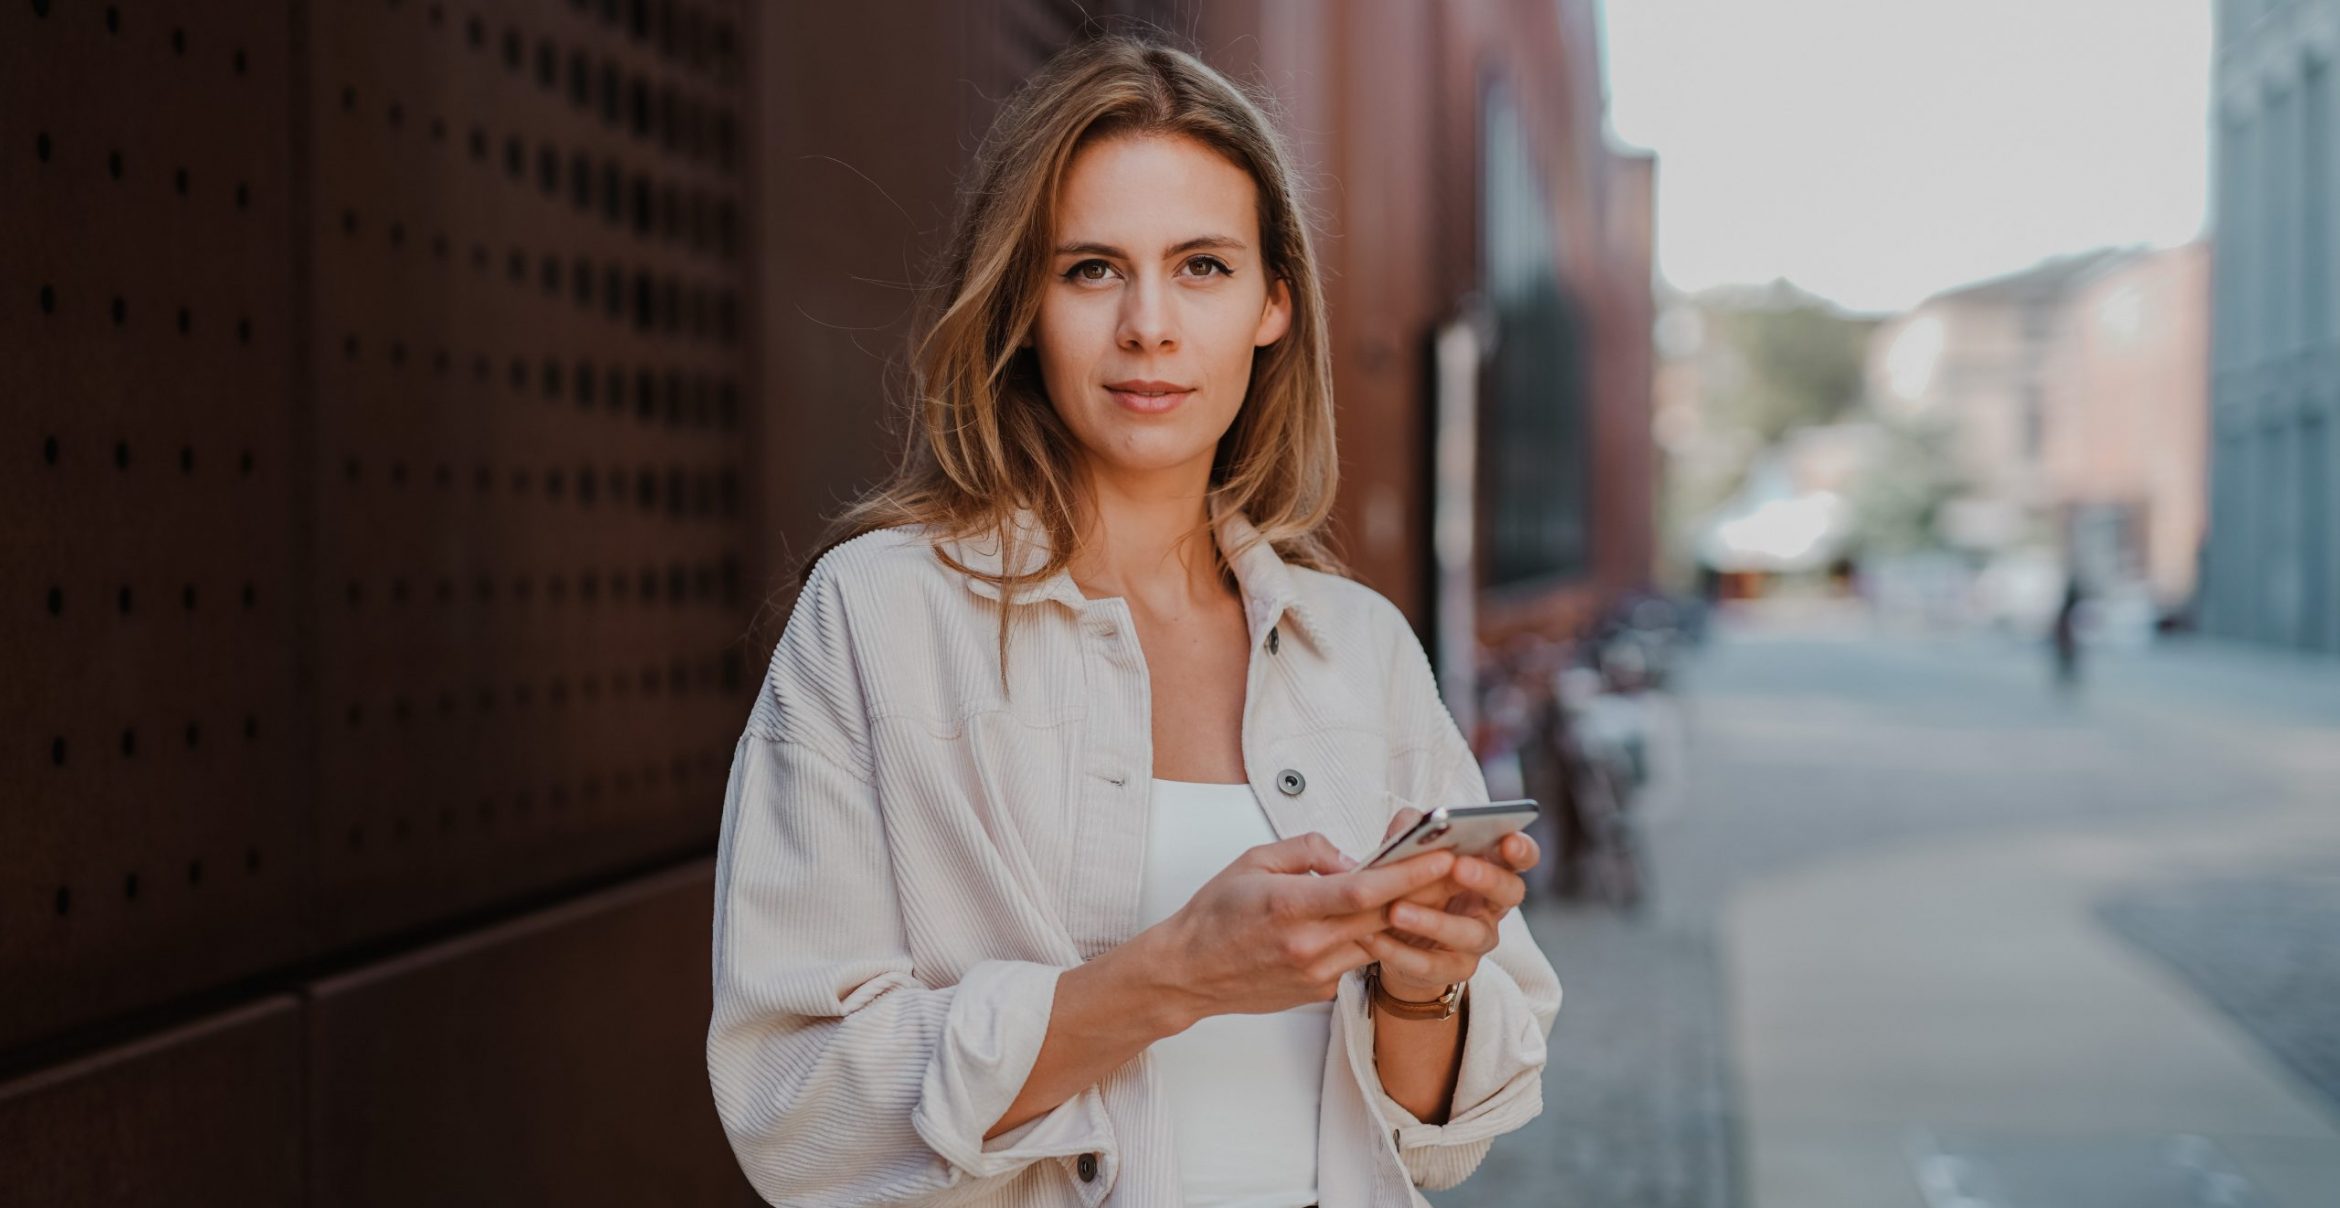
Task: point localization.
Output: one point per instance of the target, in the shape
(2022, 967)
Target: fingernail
(1346, 863)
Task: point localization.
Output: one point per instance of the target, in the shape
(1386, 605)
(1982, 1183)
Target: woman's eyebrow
(1223, 243)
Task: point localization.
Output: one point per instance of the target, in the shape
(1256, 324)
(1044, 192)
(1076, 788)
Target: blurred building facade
(2074, 396)
(2125, 396)
(1974, 359)
(2272, 565)
(427, 399)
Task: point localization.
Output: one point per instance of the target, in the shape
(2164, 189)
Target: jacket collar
(1269, 588)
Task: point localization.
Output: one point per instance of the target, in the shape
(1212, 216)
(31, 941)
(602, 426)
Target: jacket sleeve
(1515, 995)
(841, 1077)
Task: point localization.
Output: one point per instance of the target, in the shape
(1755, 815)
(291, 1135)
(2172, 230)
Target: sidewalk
(1948, 1021)
(1966, 991)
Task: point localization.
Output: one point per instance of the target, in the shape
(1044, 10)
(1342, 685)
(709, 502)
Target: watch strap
(1442, 1007)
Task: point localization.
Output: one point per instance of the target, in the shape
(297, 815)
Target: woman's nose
(1147, 314)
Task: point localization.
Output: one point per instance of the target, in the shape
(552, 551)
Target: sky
(1878, 151)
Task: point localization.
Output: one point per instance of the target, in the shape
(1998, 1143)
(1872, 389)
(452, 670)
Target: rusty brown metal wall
(208, 1111)
(154, 836)
(379, 558)
(380, 549)
(554, 1059)
(526, 273)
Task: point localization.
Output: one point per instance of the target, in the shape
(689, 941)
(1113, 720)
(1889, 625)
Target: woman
(1032, 886)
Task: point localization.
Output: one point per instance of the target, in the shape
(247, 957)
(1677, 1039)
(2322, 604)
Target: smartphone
(1469, 830)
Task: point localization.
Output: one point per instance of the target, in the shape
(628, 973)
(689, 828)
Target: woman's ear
(1276, 317)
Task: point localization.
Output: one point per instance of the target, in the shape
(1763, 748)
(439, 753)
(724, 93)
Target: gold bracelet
(1442, 1007)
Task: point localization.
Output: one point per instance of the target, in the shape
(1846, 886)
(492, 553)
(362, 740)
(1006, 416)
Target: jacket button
(1271, 639)
(1291, 781)
(1088, 1167)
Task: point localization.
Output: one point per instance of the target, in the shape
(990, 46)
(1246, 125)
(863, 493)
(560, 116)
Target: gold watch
(1442, 1007)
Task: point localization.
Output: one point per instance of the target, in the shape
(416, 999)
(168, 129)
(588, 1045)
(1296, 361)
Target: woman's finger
(1340, 958)
(1425, 966)
(1501, 887)
(1399, 821)
(1460, 932)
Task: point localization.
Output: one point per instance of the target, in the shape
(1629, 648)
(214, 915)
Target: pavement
(1926, 934)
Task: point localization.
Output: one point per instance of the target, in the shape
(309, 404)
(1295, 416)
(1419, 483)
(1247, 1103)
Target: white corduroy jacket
(909, 859)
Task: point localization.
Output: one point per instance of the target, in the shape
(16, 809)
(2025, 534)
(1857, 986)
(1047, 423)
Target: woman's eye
(1080, 272)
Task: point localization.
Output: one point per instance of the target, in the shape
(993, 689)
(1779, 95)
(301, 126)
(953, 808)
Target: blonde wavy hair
(982, 439)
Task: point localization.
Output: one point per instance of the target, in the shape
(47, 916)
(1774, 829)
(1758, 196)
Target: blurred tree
(1799, 360)
(1742, 366)
(1898, 499)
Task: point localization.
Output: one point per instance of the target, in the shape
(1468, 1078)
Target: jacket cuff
(990, 1040)
(1499, 1087)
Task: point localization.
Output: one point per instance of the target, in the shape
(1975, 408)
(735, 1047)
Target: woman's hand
(1264, 935)
(1437, 933)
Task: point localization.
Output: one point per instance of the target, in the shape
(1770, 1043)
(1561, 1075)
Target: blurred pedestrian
(2064, 636)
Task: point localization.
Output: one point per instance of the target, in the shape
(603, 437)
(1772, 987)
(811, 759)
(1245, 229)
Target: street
(1927, 935)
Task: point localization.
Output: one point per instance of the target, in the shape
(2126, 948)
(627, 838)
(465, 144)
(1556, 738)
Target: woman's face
(1156, 285)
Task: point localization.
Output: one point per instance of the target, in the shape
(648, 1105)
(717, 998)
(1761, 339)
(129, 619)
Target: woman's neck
(1157, 549)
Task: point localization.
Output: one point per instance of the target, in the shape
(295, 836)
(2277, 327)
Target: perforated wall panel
(375, 546)
(152, 827)
(526, 270)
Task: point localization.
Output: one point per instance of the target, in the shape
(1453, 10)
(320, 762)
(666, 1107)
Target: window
(1534, 441)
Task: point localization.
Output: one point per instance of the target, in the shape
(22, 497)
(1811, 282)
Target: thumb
(1405, 817)
(1311, 852)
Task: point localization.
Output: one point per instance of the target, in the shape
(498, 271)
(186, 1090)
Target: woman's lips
(1150, 404)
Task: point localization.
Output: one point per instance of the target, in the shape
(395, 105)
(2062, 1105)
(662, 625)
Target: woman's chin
(1145, 456)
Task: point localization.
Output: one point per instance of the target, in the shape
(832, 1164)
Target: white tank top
(1244, 1090)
